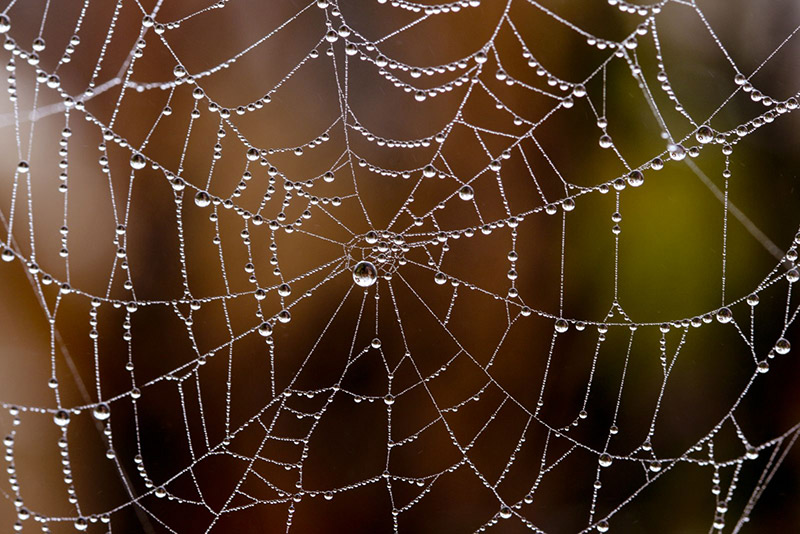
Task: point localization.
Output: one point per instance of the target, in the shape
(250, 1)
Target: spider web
(318, 278)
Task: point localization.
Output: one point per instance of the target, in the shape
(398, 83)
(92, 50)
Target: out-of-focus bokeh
(149, 382)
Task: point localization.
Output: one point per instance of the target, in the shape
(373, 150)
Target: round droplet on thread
(101, 412)
(724, 315)
(605, 460)
(635, 178)
(365, 274)
(138, 161)
(466, 193)
(505, 512)
(265, 329)
(61, 418)
(782, 346)
(202, 199)
(704, 134)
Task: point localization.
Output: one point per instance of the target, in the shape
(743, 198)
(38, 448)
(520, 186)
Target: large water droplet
(466, 193)
(202, 199)
(138, 162)
(101, 412)
(365, 274)
(61, 418)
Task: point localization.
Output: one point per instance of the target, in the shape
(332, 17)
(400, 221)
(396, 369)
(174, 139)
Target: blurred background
(174, 405)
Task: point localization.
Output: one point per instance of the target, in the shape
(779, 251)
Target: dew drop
(265, 329)
(605, 460)
(101, 412)
(704, 134)
(676, 152)
(466, 193)
(635, 178)
(782, 346)
(61, 418)
(202, 199)
(365, 274)
(138, 162)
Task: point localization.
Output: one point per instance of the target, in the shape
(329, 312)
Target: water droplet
(605, 460)
(676, 152)
(605, 141)
(505, 512)
(61, 418)
(724, 315)
(365, 274)
(7, 255)
(635, 178)
(138, 162)
(562, 326)
(5, 23)
(782, 346)
(466, 193)
(704, 134)
(602, 526)
(202, 199)
(655, 466)
(101, 412)
(440, 278)
(284, 290)
(751, 453)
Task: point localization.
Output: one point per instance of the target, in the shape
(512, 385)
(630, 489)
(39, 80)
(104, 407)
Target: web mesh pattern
(315, 279)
